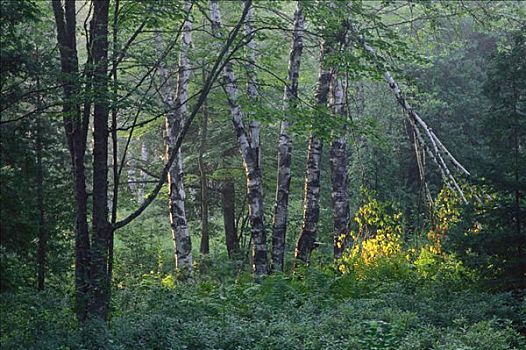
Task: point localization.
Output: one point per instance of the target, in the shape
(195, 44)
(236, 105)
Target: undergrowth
(313, 309)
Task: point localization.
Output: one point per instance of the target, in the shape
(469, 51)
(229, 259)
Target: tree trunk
(205, 238)
(102, 228)
(250, 157)
(175, 118)
(311, 206)
(42, 234)
(279, 225)
(252, 90)
(339, 178)
(75, 128)
(228, 198)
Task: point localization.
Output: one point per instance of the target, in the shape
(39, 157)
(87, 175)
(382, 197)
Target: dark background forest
(262, 174)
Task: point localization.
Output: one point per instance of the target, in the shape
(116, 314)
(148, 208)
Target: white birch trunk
(250, 160)
(311, 207)
(252, 90)
(437, 148)
(132, 178)
(290, 95)
(339, 178)
(175, 117)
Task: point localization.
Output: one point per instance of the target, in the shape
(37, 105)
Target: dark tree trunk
(42, 234)
(311, 206)
(75, 128)
(279, 225)
(205, 239)
(102, 229)
(228, 197)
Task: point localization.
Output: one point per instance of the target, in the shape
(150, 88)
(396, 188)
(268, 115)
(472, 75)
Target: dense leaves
(420, 268)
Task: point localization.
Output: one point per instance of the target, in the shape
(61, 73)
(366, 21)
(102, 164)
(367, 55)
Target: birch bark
(311, 206)
(132, 179)
(252, 90)
(175, 117)
(250, 157)
(437, 147)
(339, 178)
(279, 225)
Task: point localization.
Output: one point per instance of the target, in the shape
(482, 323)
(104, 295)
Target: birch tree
(249, 154)
(339, 178)
(311, 203)
(175, 117)
(290, 96)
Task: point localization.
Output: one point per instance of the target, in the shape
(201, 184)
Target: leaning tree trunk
(311, 206)
(102, 229)
(75, 128)
(175, 118)
(250, 161)
(339, 178)
(279, 225)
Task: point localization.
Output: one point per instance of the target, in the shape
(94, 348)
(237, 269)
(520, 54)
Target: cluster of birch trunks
(87, 96)
(329, 93)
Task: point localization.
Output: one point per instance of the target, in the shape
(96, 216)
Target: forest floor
(312, 309)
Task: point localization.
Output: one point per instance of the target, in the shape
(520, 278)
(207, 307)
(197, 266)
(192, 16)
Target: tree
(175, 117)
(249, 153)
(311, 210)
(290, 95)
(100, 281)
(76, 128)
(339, 178)
(93, 258)
(502, 241)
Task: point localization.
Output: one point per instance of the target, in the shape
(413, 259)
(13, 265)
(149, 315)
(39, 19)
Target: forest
(263, 174)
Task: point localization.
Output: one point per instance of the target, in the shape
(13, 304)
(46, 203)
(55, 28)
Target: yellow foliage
(378, 238)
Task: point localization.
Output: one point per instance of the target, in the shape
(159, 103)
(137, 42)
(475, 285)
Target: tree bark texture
(175, 117)
(279, 225)
(42, 233)
(252, 90)
(132, 178)
(339, 178)
(228, 198)
(311, 207)
(75, 128)
(250, 161)
(102, 228)
(205, 237)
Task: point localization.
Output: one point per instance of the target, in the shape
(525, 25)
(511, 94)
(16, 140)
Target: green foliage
(312, 310)
(405, 282)
(13, 271)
